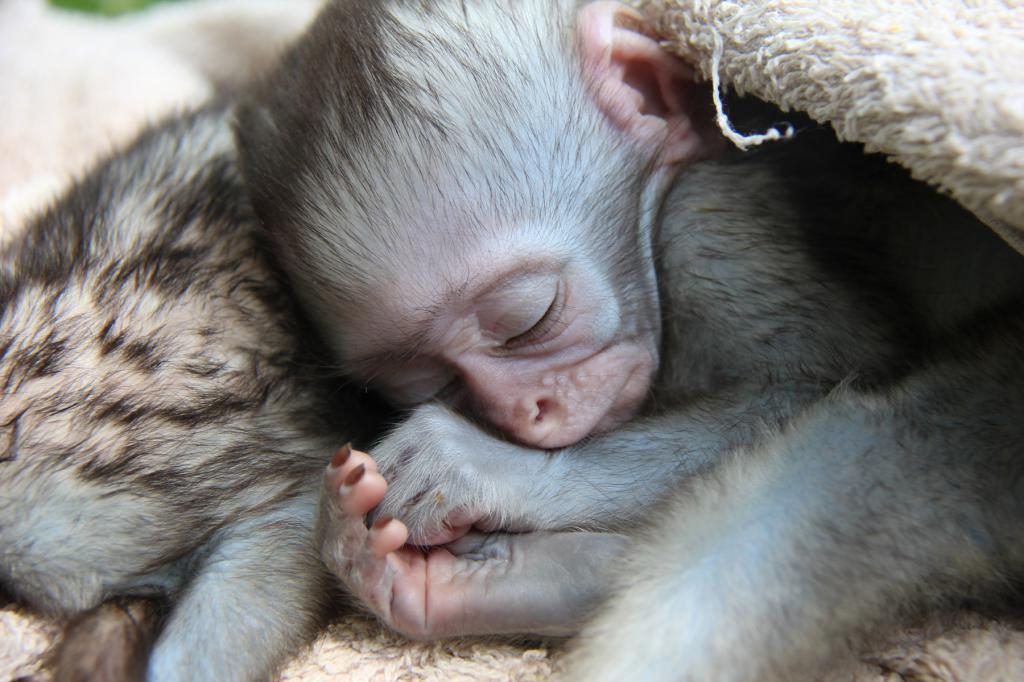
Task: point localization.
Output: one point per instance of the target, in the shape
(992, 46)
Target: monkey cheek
(627, 402)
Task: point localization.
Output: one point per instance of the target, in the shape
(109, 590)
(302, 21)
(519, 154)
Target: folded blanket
(937, 86)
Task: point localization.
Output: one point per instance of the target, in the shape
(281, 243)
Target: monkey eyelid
(543, 327)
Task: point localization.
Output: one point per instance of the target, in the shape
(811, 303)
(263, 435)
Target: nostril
(538, 422)
(542, 409)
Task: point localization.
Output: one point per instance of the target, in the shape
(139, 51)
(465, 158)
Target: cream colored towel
(935, 85)
(73, 87)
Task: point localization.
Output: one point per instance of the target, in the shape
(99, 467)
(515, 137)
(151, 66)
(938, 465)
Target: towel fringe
(743, 142)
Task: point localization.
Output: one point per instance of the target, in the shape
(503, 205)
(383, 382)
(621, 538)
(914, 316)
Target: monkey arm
(452, 477)
(865, 507)
(446, 475)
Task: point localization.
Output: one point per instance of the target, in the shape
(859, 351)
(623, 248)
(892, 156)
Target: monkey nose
(541, 415)
(541, 423)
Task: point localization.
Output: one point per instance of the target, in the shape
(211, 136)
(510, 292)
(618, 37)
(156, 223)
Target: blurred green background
(109, 7)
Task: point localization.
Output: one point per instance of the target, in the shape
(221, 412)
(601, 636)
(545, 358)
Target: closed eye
(542, 327)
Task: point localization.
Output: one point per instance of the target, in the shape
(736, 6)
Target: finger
(344, 462)
(361, 491)
(387, 535)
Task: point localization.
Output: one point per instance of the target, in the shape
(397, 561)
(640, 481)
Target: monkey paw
(393, 580)
(447, 477)
(479, 584)
(358, 555)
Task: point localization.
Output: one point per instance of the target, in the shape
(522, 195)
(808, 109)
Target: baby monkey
(791, 379)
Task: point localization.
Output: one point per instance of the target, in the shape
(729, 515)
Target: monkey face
(548, 346)
(466, 230)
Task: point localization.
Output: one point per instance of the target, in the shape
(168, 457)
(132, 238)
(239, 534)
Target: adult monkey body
(476, 202)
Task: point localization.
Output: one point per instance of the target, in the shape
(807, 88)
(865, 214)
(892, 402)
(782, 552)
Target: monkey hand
(540, 583)
(446, 476)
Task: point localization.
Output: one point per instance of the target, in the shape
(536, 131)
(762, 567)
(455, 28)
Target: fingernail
(355, 475)
(342, 455)
(383, 521)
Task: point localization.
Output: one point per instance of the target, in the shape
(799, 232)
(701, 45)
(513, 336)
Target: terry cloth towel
(938, 86)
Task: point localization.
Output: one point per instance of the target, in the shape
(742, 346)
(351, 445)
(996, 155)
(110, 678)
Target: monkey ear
(641, 88)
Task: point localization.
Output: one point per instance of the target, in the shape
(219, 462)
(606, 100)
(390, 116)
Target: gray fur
(164, 427)
(832, 441)
(352, 155)
(823, 458)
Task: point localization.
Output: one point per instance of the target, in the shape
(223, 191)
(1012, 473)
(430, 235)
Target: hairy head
(464, 194)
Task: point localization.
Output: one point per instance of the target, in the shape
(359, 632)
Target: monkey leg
(257, 596)
(867, 507)
(542, 583)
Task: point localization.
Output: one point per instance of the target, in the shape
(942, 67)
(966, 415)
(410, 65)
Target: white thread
(743, 142)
